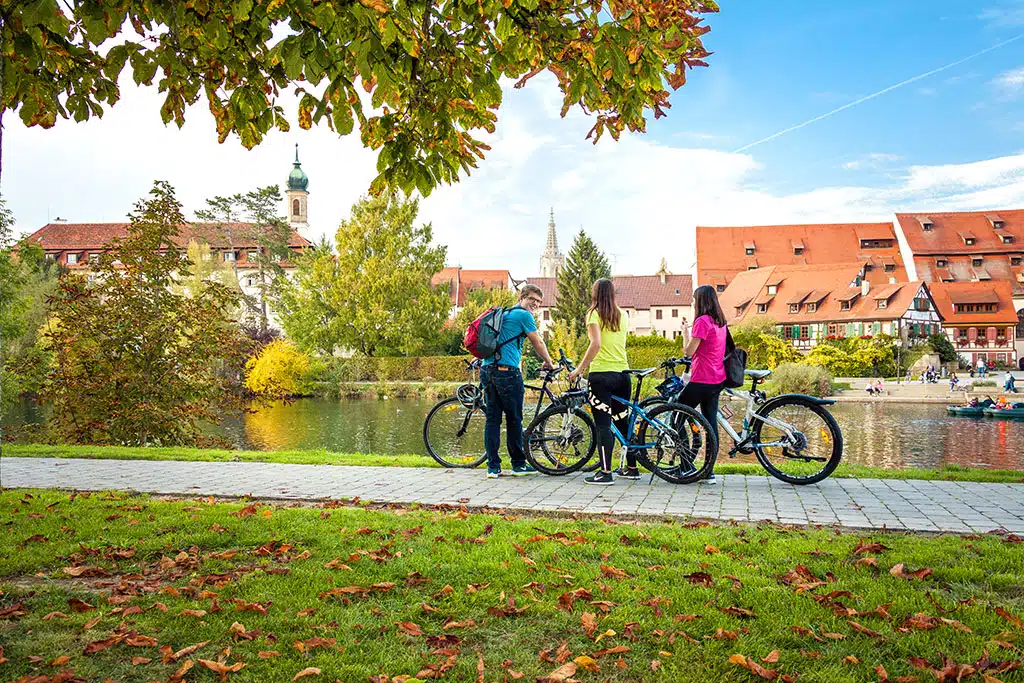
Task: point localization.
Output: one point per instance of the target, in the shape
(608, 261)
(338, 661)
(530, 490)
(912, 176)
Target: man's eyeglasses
(534, 300)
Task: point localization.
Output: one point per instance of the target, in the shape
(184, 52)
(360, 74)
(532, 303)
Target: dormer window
(794, 308)
(890, 267)
(926, 223)
(996, 221)
(773, 290)
(969, 241)
(749, 251)
(229, 256)
(977, 261)
(940, 263)
(882, 303)
(811, 308)
(94, 258)
(798, 251)
(72, 259)
(677, 292)
(749, 248)
(1015, 260)
(844, 305)
(1007, 239)
(762, 308)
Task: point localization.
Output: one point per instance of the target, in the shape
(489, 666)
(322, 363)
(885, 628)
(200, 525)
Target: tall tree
(432, 70)
(251, 219)
(134, 362)
(584, 264)
(373, 295)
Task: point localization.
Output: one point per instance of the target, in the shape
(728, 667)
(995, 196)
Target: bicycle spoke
(455, 434)
(797, 442)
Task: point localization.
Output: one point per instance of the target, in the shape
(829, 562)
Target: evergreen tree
(585, 264)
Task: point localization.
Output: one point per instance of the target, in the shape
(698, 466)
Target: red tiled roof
(78, 237)
(721, 251)
(946, 294)
(945, 237)
(639, 292)
(462, 281)
(825, 285)
(960, 268)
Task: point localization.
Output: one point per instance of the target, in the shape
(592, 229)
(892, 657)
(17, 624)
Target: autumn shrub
(142, 365)
(279, 369)
(799, 378)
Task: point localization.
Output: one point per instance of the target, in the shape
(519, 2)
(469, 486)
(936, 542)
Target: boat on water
(973, 409)
(1012, 410)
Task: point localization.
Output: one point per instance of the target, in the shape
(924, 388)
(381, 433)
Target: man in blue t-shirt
(503, 382)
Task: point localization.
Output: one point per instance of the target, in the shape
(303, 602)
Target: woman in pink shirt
(707, 349)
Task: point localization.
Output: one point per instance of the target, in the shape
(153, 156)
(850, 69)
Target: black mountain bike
(672, 441)
(454, 428)
(793, 436)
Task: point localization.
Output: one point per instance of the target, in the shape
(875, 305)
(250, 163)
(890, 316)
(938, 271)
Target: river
(890, 435)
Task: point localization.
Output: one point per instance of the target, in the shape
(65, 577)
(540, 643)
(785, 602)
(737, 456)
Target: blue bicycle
(672, 441)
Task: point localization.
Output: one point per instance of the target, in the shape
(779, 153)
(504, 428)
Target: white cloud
(639, 198)
(873, 160)
(1010, 83)
(1010, 14)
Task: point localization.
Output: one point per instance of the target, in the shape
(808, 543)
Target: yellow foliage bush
(280, 369)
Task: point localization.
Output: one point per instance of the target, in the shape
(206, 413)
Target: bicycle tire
(835, 436)
(445, 434)
(680, 467)
(538, 446)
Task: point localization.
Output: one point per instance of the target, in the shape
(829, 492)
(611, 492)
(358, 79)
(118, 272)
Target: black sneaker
(627, 473)
(710, 479)
(600, 478)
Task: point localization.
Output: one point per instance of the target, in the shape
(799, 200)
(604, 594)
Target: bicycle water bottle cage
(468, 394)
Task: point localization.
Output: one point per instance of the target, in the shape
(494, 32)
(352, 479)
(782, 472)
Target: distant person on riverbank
(953, 381)
(607, 326)
(502, 382)
(1010, 384)
(982, 368)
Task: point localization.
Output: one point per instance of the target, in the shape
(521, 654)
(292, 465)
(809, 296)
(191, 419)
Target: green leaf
(240, 9)
(342, 118)
(505, 27)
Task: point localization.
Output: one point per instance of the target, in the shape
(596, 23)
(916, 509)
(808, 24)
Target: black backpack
(735, 363)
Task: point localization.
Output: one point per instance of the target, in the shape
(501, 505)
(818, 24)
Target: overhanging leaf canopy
(431, 68)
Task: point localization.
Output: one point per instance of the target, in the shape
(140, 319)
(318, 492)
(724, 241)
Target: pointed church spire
(551, 260)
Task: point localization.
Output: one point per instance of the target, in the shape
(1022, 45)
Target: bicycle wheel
(800, 444)
(560, 440)
(682, 448)
(454, 433)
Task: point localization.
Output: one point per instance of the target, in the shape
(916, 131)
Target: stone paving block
(955, 507)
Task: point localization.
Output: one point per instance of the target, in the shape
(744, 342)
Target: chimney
(661, 276)
(865, 287)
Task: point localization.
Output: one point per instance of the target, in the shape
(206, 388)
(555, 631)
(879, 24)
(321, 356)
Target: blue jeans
(503, 390)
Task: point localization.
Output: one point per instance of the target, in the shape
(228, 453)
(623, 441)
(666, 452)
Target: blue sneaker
(493, 474)
(522, 471)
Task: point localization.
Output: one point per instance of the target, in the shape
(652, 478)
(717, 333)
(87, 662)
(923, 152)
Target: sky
(949, 137)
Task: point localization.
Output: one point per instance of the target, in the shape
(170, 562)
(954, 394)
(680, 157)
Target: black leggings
(706, 396)
(606, 410)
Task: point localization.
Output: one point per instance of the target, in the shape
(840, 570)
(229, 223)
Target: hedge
(408, 368)
(445, 368)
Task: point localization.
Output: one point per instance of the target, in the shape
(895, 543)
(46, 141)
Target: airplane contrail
(876, 94)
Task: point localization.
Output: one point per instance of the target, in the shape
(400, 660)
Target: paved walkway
(961, 507)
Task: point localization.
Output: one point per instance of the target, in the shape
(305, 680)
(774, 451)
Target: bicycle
(453, 430)
(793, 436)
(679, 432)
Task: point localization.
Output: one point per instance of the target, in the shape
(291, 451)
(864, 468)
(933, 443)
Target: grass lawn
(132, 588)
(322, 457)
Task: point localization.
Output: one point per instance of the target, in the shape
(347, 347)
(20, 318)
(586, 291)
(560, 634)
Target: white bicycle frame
(748, 418)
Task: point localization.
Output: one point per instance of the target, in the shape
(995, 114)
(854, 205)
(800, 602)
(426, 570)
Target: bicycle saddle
(757, 374)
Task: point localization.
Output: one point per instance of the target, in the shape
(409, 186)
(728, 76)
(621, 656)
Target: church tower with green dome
(298, 194)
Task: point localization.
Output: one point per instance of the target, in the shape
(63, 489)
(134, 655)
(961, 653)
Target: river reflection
(890, 435)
